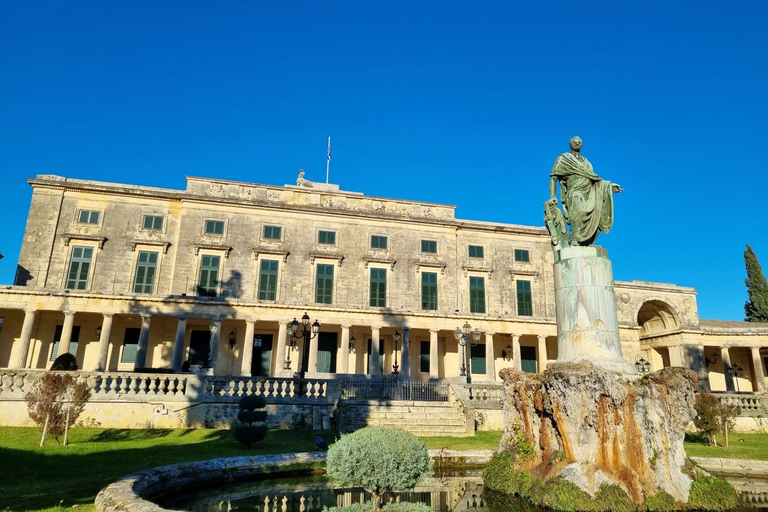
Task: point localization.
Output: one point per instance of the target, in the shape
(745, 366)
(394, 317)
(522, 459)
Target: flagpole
(328, 162)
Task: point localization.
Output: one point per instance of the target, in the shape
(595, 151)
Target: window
(528, 359)
(214, 227)
(324, 284)
(429, 290)
(379, 287)
(130, 345)
(273, 232)
(477, 359)
(429, 246)
(476, 251)
(378, 242)
(476, 294)
(424, 357)
(524, 299)
(268, 280)
(88, 217)
(146, 268)
(154, 222)
(522, 255)
(326, 237)
(209, 276)
(77, 278)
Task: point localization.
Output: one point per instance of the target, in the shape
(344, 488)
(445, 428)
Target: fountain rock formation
(591, 426)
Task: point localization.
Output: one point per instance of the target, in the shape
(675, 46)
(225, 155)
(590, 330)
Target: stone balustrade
(480, 395)
(751, 405)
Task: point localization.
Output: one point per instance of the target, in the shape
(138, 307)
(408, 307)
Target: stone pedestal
(587, 323)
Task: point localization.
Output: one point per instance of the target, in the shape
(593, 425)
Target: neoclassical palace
(134, 278)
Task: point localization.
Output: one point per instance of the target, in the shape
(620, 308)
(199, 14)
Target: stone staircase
(419, 418)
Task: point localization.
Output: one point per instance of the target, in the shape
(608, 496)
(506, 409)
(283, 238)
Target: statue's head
(575, 142)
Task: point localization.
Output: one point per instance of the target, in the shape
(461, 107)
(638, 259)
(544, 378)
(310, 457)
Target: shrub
(500, 475)
(713, 417)
(712, 493)
(660, 502)
(66, 362)
(378, 460)
(246, 432)
(55, 402)
(612, 498)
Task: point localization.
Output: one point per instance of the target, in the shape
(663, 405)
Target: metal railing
(393, 388)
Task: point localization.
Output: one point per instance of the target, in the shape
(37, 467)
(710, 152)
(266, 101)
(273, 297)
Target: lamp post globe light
(642, 366)
(467, 337)
(395, 366)
(307, 333)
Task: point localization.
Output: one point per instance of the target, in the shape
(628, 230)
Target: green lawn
(35, 478)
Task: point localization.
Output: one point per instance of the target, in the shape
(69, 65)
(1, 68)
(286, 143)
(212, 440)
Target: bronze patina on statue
(587, 200)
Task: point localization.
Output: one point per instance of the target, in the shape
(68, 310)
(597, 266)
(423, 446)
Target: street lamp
(463, 338)
(232, 340)
(352, 341)
(736, 371)
(642, 366)
(308, 332)
(396, 367)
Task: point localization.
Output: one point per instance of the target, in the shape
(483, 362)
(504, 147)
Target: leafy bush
(378, 460)
(246, 432)
(66, 362)
(55, 402)
(500, 474)
(660, 502)
(612, 498)
(714, 417)
(712, 493)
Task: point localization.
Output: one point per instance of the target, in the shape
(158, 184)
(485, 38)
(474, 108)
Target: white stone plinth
(585, 308)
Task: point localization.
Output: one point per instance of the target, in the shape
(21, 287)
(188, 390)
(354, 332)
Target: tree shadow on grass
(117, 434)
(692, 437)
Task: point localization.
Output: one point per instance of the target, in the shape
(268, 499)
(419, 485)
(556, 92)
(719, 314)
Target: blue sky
(465, 103)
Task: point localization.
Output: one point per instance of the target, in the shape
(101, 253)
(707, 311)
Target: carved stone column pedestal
(585, 308)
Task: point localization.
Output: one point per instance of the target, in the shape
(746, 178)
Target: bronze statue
(587, 200)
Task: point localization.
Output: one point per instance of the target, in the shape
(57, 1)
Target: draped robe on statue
(587, 199)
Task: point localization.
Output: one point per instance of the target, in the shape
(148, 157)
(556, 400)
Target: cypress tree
(756, 308)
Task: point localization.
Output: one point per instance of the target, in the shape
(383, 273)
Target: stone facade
(241, 260)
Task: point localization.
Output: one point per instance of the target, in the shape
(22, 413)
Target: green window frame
(524, 298)
(79, 267)
(522, 255)
(268, 280)
(153, 222)
(209, 275)
(476, 251)
(130, 345)
(146, 268)
(214, 227)
(476, 294)
(272, 233)
(378, 242)
(429, 291)
(324, 284)
(326, 237)
(429, 246)
(378, 287)
(88, 217)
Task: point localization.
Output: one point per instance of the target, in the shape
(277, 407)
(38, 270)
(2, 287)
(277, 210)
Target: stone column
(725, 355)
(141, 349)
(375, 368)
(214, 346)
(490, 358)
(26, 337)
(405, 354)
(247, 357)
(757, 365)
(434, 369)
(516, 363)
(178, 343)
(343, 353)
(104, 338)
(312, 363)
(541, 352)
(283, 365)
(66, 332)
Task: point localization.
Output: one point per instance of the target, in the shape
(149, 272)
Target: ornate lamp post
(308, 332)
(642, 366)
(466, 336)
(396, 367)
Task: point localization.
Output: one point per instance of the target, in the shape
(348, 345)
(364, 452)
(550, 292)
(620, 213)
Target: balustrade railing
(393, 388)
(751, 405)
(275, 388)
(480, 395)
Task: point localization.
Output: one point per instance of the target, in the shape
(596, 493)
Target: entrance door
(326, 352)
(477, 355)
(200, 347)
(262, 355)
(528, 359)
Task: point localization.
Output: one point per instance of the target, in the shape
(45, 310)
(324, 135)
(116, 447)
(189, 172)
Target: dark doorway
(528, 359)
(326, 352)
(130, 344)
(199, 347)
(72, 341)
(261, 362)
